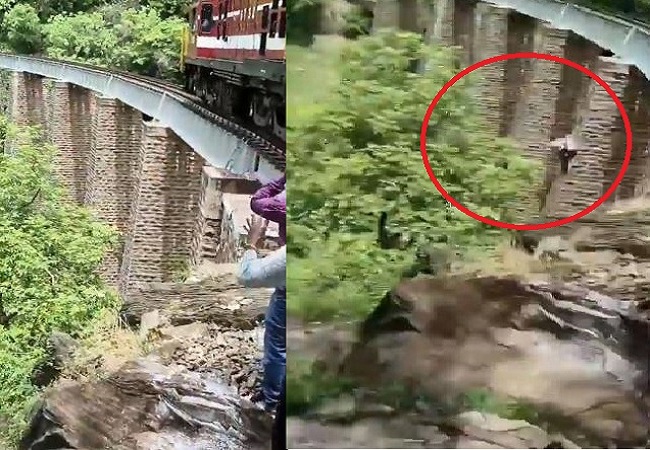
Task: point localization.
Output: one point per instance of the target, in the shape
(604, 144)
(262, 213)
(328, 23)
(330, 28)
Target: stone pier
(164, 209)
(444, 26)
(535, 111)
(491, 39)
(639, 171)
(636, 99)
(599, 126)
(463, 30)
(26, 103)
(224, 208)
(71, 157)
(111, 176)
(518, 72)
(575, 85)
(19, 106)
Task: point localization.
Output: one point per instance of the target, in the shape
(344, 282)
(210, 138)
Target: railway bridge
(173, 178)
(537, 101)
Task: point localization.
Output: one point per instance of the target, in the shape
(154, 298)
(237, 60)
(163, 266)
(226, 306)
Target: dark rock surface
(146, 405)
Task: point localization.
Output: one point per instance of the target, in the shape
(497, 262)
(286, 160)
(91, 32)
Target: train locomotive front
(234, 56)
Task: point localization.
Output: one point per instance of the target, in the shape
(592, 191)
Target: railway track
(268, 146)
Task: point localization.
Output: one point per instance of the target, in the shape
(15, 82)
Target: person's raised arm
(269, 271)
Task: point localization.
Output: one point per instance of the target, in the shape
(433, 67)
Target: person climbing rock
(269, 202)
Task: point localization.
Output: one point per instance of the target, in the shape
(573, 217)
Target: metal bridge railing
(629, 41)
(216, 145)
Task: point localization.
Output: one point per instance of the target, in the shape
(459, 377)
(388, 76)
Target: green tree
(303, 20)
(96, 45)
(50, 250)
(361, 156)
(23, 29)
(147, 44)
(357, 22)
(126, 38)
(169, 8)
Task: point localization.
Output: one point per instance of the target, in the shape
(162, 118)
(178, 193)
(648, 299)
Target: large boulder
(578, 357)
(146, 405)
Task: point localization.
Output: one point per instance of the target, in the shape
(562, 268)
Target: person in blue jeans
(269, 271)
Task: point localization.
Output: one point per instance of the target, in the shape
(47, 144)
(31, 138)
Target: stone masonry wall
(463, 30)
(640, 167)
(213, 239)
(6, 80)
(518, 72)
(111, 178)
(535, 112)
(442, 24)
(636, 99)
(68, 158)
(385, 14)
(490, 36)
(81, 120)
(48, 110)
(575, 85)
(164, 209)
(598, 127)
(19, 92)
(35, 112)
(207, 228)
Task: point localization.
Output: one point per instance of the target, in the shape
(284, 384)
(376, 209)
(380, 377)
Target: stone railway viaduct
(170, 207)
(536, 101)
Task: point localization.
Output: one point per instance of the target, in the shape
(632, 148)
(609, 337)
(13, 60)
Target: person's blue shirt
(270, 271)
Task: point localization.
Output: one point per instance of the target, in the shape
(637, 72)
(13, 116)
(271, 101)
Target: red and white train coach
(234, 55)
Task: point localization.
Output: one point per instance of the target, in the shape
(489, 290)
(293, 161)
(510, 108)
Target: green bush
(50, 250)
(303, 21)
(130, 39)
(96, 45)
(22, 29)
(359, 155)
(358, 22)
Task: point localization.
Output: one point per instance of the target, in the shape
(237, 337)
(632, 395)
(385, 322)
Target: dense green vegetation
(138, 36)
(50, 250)
(359, 155)
(358, 141)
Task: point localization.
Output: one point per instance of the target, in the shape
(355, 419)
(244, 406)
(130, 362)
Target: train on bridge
(234, 59)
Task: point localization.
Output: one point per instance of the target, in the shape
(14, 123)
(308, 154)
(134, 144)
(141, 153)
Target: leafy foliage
(359, 156)
(130, 39)
(639, 9)
(50, 250)
(169, 8)
(95, 46)
(23, 29)
(358, 22)
(303, 17)
(126, 35)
